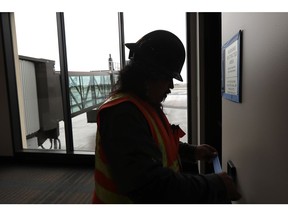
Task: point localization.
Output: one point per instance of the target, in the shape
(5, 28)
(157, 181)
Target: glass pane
(40, 97)
(140, 23)
(93, 62)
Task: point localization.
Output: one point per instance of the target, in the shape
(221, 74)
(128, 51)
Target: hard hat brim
(177, 76)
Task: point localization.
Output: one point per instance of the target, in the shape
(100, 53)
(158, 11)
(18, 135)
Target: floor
(27, 183)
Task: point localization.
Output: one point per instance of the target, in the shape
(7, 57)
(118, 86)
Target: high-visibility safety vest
(165, 136)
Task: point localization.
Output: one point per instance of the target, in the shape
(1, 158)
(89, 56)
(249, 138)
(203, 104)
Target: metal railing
(89, 89)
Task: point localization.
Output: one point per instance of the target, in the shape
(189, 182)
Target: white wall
(255, 132)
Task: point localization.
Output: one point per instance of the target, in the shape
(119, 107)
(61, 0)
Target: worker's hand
(232, 191)
(205, 152)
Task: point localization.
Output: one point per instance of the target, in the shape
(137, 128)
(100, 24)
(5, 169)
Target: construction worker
(139, 158)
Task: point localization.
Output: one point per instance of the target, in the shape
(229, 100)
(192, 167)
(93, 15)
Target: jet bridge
(43, 98)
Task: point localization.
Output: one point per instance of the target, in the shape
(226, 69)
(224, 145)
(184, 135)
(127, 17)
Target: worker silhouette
(139, 158)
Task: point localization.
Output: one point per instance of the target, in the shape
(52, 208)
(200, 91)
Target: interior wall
(255, 132)
(5, 127)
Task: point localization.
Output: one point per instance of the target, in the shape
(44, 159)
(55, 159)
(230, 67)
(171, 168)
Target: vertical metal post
(64, 82)
(192, 76)
(6, 39)
(121, 39)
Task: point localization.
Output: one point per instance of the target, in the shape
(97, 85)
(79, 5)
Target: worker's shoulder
(123, 115)
(126, 107)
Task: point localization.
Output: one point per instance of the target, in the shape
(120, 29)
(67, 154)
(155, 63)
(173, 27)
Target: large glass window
(137, 24)
(92, 45)
(93, 61)
(39, 80)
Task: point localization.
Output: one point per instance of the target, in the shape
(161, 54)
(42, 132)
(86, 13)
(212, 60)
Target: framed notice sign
(231, 68)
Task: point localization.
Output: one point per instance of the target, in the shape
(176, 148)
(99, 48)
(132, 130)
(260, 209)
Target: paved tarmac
(84, 134)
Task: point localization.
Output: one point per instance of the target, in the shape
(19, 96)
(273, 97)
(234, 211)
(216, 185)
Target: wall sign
(231, 68)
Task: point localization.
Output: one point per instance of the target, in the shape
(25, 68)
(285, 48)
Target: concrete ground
(84, 134)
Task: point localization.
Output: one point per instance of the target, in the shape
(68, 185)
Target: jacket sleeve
(187, 157)
(187, 151)
(136, 163)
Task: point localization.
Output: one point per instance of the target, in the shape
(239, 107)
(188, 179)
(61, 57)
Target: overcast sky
(90, 37)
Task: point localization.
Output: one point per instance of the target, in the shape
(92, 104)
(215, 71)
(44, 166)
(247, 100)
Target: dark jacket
(136, 163)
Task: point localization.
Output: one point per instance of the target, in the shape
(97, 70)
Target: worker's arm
(136, 163)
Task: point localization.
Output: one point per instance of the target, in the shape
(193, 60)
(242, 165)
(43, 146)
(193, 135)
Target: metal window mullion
(121, 39)
(93, 93)
(81, 92)
(7, 38)
(192, 76)
(64, 82)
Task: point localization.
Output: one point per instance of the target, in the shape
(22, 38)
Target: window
(39, 89)
(140, 23)
(93, 63)
(92, 58)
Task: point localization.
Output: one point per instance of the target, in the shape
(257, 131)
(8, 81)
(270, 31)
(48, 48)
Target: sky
(92, 26)
(90, 37)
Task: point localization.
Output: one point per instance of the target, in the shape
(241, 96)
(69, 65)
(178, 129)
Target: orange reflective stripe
(96, 200)
(105, 189)
(108, 196)
(168, 144)
(98, 151)
(102, 167)
(103, 180)
(160, 141)
(161, 131)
